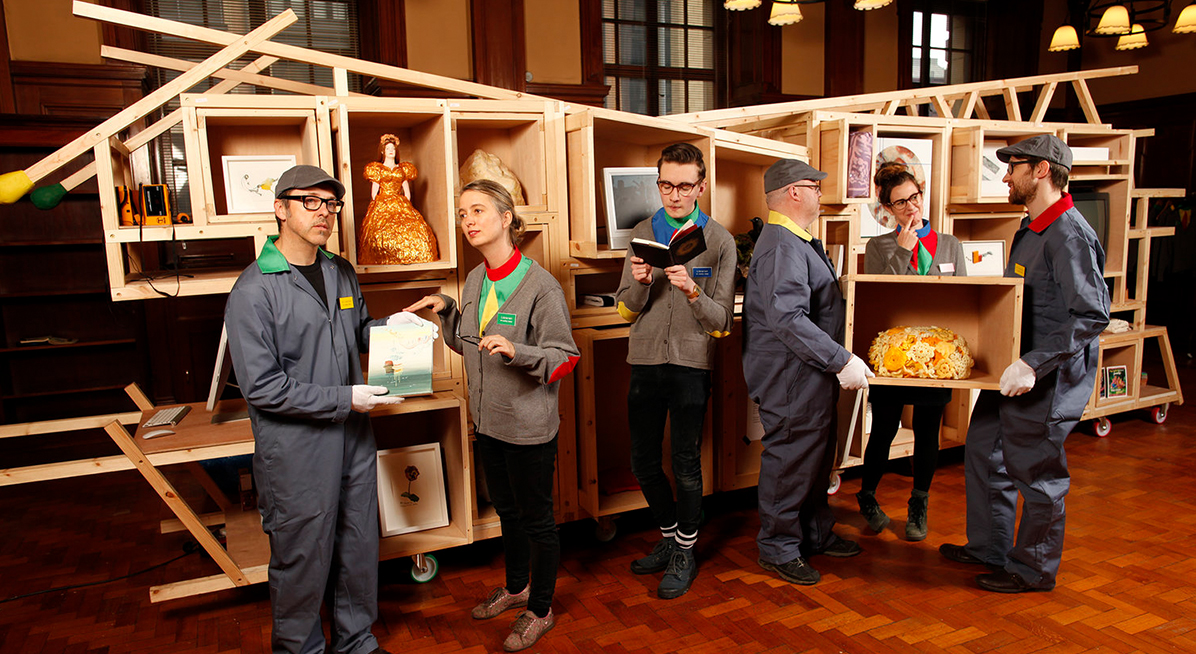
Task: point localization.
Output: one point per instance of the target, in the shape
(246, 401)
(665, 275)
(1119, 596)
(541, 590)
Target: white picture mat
(397, 513)
(984, 258)
(992, 171)
(917, 155)
(631, 196)
(249, 181)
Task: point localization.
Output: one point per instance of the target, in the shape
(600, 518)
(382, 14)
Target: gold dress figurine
(393, 232)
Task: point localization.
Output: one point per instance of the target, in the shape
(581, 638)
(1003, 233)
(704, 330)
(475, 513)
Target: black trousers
(887, 405)
(520, 481)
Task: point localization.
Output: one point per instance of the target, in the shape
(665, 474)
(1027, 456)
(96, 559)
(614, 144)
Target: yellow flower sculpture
(925, 352)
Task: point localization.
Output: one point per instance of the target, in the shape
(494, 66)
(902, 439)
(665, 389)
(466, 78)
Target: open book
(687, 242)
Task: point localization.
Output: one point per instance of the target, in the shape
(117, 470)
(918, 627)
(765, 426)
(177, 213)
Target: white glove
(366, 397)
(854, 376)
(1018, 378)
(408, 318)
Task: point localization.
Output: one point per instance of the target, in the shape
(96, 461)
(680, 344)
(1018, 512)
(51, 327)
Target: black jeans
(520, 481)
(887, 405)
(680, 394)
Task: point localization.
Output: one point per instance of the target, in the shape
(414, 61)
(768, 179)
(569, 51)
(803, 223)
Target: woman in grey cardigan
(514, 333)
(912, 249)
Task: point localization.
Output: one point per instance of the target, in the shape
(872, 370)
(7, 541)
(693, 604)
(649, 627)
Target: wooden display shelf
(737, 176)
(601, 278)
(969, 165)
(601, 138)
(1127, 349)
(603, 443)
(519, 133)
(985, 311)
(385, 298)
(424, 131)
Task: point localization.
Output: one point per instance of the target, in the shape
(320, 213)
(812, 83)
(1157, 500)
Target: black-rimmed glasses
(684, 188)
(817, 187)
(472, 340)
(900, 205)
(1014, 164)
(313, 202)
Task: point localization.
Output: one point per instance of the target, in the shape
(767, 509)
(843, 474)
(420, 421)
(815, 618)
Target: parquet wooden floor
(1127, 584)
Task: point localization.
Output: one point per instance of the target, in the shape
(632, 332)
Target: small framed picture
(984, 258)
(249, 181)
(992, 171)
(1117, 383)
(411, 493)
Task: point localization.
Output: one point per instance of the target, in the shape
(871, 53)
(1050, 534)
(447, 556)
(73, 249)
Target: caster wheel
(835, 483)
(1102, 427)
(426, 573)
(1158, 414)
(606, 529)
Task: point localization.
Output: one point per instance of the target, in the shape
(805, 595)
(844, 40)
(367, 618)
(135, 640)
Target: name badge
(507, 319)
(1019, 269)
(703, 271)
(946, 267)
(346, 303)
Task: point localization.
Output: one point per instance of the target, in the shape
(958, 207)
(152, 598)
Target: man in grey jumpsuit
(1015, 441)
(296, 322)
(793, 320)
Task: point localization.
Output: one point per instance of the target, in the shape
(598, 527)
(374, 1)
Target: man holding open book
(677, 312)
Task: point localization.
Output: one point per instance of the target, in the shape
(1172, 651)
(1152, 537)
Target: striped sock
(686, 541)
(670, 531)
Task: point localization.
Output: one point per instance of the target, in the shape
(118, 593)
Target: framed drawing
(1116, 382)
(992, 171)
(401, 358)
(249, 181)
(984, 258)
(917, 155)
(411, 495)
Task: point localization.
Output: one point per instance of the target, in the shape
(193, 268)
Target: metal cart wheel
(424, 568)
(1102, 427)
(605, 529)
(836, 482)
(1158, 414)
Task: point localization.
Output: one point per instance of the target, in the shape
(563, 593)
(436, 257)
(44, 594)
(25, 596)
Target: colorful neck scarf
(928, 241)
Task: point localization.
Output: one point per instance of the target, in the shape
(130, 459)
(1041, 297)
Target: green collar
(272, 261)
(781, 219)
(676, 224)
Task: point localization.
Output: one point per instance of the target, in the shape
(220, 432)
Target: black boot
(870, 509)
(915, 524)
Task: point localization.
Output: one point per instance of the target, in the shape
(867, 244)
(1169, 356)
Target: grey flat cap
(304, 176)
(787, 171)
(1044, 146)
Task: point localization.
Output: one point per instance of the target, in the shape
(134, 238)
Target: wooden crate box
(986, 312)
(737, 177)
(599, 279)
(518, 133)
(973, 157)
(423, 129)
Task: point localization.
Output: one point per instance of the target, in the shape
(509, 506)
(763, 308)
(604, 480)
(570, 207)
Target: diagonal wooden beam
(1012, 110)
(941, 107)
(890, 108)
(159, 97)
(1044, 102)
(1086, 102)
(969, 104)
(982, 109)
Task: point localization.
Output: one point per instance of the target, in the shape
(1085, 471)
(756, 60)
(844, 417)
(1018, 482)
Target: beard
(1022, 194)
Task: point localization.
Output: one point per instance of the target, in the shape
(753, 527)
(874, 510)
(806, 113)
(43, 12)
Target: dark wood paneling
(753, 59)
(590, 94)
(120, 36)
(843, 50)
(183, 336)
(7, 102)
(1167, 159)
(82, 90)
(590, 19)
(499, 50)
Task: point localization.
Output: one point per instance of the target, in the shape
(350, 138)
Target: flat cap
(1044, 146)
(787, 171)
(304, 176)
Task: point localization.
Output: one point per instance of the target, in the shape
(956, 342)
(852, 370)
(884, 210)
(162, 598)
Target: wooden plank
(180, 589)
(1012, 110)
(1086, 102)
(294, 53)
(969, 104)
(67, 424)
(140, 399)
(174, 525)
(982, 110)
(180, 508)
(890, 108)
(238, 47)
(1044, 102)
(941, 107)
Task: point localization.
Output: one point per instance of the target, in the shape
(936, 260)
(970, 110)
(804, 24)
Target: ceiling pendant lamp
(1186, 24)
(741, 5)
(1134, 40)
(1065, 38)
(868, 5)
(784, 13)
(1116, 20)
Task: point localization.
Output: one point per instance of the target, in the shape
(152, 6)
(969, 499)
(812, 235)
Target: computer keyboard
(168, 416)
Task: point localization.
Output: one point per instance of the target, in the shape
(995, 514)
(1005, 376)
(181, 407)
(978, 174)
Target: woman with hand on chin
(912, 249)
(514, 333)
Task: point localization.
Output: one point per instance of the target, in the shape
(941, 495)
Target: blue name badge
(703, 271)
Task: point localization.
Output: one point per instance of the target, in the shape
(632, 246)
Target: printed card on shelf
(401, 358)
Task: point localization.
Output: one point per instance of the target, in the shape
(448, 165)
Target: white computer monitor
(631, 196)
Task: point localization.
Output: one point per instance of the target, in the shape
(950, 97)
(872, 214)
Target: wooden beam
(982, 109)
(67, 424)
(1086, 102)
(969, 104)
(1044, 102)
(1012, 111)
(890, 107)
(159, 97)
(941, 107)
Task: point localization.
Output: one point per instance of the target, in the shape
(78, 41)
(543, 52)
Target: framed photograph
(1117, 383)
(401, 358)
(992, 171)
(411, 494)
(249, 181)
(984, 258)
(631, 196)
(917, 155)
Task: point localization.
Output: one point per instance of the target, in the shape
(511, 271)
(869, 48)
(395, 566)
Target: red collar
(1047, 217)
(495, 274)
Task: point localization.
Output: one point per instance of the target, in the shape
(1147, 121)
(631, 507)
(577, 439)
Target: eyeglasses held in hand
(899, 205)
(313, 202)
(473, 340)
(685, 188)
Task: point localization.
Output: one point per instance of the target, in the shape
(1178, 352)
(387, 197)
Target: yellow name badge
(1019, 269)
(346, 303)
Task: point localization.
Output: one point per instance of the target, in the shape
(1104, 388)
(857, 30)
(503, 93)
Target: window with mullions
(658, 55)
(945, 38)
(325, 25)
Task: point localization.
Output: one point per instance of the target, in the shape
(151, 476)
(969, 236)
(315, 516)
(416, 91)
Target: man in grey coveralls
(793, 319)
(296, 322)
(1015, 441)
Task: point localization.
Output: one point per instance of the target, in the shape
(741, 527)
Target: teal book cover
(401, 358)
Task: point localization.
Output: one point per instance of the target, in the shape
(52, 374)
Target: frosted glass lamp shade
(1065, 38)
(784, 13)
(1115, 21)
(1134, 40)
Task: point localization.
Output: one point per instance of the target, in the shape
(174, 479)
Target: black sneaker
(870, 509)
(915, 524)
(656, 561)
(841, 548)
(796, 571)
(679, 574)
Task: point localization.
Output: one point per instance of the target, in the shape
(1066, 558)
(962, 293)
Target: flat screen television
(1094, 206)
(631, 196)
